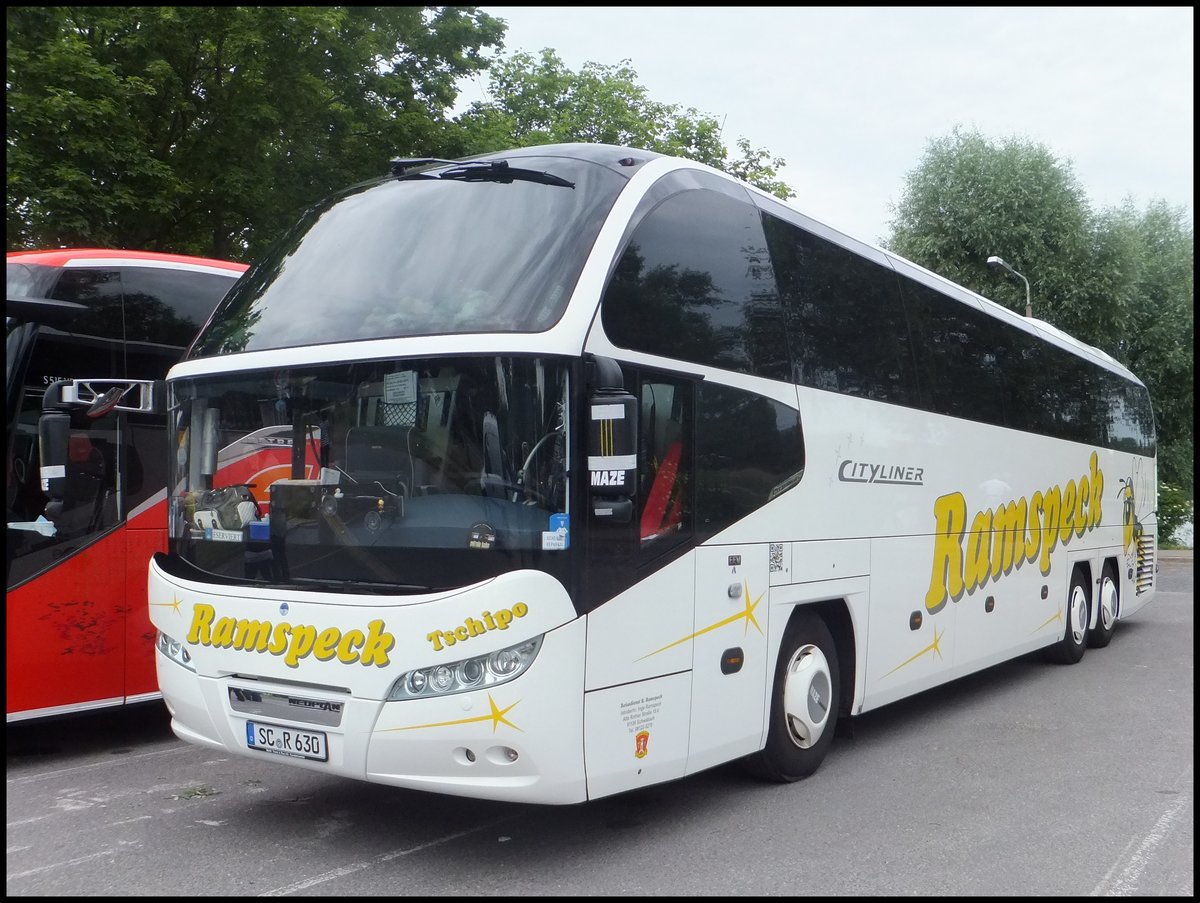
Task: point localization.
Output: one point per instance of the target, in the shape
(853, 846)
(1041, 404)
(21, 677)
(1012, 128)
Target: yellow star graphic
(747, 613)
(934, 647)
(496, 716)
(173, 605)
(1057, 616)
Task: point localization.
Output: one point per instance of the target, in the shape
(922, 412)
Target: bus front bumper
(520, 742)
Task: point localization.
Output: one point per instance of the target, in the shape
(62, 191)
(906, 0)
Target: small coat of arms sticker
(643, 744)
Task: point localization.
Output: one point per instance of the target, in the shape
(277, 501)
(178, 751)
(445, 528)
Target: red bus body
(78, 631)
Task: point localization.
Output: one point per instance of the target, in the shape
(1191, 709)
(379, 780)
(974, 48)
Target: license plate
(287, 741)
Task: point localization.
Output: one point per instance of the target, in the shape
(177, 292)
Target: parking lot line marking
(378, 860)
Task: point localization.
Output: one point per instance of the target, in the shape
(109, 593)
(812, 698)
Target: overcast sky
(851, 97)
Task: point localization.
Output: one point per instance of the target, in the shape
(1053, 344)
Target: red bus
(78, 630)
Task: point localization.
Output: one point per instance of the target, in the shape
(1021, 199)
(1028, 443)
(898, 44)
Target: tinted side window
(1096, 406)
(665, 480)
(957, 349)
(749, 449)
(695, 284)
(60, 355)
(845, 322)
(1075, 384)
(169, 306)
(1130, 418)
(100, 292)
(1031, 398)
(662, 526)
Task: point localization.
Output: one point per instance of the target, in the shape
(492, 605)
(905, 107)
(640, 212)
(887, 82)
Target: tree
(1157, 278)
(207, 129)
(970, 198)
(1120, 280)
(538, 100)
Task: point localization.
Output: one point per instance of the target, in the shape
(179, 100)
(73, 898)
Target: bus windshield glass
(387, 476)
(423, 256)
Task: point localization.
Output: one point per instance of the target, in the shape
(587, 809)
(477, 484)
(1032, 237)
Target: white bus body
(654, 508)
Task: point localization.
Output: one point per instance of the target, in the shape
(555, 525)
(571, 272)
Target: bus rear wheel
(1071, 647)
(804, 704)
(1108, 601)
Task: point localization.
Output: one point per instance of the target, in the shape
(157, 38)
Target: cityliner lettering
(865, 472)
(291, 641)
(1008, 536)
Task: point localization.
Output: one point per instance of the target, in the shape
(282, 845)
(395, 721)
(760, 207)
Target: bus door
(85, 581)
(640, 581)
(730, 674)
(66, 592)
(67, 599)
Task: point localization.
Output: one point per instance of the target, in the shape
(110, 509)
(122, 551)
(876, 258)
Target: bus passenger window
(665, 460)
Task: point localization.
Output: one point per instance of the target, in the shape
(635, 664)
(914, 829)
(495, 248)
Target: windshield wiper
(476, 171)
(362, 586)
(42, 310)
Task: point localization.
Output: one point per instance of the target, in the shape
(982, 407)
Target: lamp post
(996, 261)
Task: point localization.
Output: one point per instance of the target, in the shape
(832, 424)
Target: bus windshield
(422, 256)
(395, 476)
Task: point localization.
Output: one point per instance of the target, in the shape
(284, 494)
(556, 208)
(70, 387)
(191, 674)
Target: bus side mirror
(95, 398)
(611, 445)
(54, 433)
(103, 396)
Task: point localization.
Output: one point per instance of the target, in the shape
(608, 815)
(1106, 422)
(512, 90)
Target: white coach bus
(607, 468)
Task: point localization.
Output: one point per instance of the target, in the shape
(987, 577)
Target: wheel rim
(807, 695)
(1108, 604)
(1078, 615)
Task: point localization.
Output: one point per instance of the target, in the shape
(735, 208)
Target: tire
(1071, 647)
(1108, 603)
(807, 684)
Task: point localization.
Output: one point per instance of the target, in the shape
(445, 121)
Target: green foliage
(1121, 279)
(970, 198)
(1174, 510)
(539, 100)
(207, 129)
(1156, 282)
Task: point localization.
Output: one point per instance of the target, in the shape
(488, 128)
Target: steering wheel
(525, 474)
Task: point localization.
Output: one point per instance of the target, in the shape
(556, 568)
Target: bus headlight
(469, 674)
(175, 651)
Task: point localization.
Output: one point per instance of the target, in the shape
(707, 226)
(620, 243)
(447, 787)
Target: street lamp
(996, 261)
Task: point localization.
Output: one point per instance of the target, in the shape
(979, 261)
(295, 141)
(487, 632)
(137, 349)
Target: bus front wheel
(804, 704)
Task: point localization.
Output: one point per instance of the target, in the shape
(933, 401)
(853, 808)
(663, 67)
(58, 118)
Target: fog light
(502, 755)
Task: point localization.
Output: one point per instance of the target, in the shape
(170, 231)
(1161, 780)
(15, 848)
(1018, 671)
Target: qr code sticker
(776, 557)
